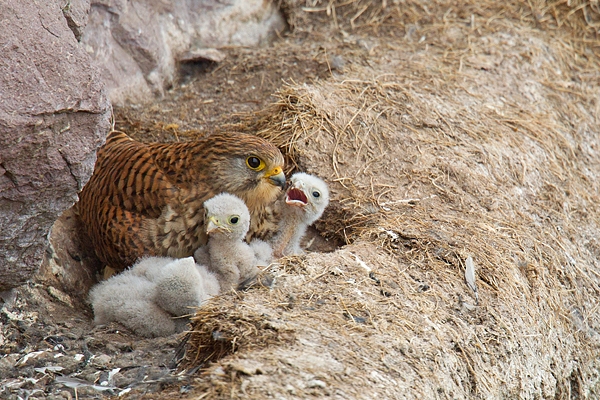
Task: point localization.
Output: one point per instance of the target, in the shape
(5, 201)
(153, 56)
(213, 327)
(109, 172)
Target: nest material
(474, 143)
(225, 326)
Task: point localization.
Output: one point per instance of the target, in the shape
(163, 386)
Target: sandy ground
(414, 113)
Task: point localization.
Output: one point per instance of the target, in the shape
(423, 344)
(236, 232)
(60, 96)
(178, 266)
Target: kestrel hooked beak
(276, 177)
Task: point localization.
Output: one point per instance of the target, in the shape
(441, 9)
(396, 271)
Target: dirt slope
(444, 133)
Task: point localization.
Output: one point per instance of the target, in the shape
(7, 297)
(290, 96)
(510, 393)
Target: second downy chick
(148, 297)
(305, 201)
(183, 285)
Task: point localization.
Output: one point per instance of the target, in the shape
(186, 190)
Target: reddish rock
(139, 43)
(54, 114)
(76, 12)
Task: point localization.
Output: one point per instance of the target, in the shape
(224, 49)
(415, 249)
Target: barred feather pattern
(146, 199)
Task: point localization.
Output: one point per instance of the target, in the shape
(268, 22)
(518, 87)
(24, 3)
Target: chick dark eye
(316, 194)
(253, 162)
(234, 220)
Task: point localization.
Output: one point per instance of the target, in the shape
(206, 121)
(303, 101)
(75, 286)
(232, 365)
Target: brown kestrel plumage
(147, 199)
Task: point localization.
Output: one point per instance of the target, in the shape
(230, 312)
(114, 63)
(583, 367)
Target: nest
(478, 142)
(223, 327)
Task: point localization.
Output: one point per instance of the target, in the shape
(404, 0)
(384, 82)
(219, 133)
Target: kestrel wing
(133, 181)
(121, 244)
(189, 165)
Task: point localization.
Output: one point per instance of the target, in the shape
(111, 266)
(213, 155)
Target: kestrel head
(226, 215)
(248, 166)
(307, 196)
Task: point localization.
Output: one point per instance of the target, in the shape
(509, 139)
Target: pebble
(316, 383)
(102, 360)
(9, 361)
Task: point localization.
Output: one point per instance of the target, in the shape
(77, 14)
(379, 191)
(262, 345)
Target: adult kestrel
(147, 199)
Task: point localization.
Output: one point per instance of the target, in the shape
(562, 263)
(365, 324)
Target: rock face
(69, 264)
(138, 43)
(54, 115)
(76, 12)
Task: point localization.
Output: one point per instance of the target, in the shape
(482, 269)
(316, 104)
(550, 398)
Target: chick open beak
(296, 197)
(276, 177)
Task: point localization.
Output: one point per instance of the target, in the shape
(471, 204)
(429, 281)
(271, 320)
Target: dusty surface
(443, 133)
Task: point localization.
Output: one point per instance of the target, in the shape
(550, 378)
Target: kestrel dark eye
(253, 162)
(234, 220)
(316, 194)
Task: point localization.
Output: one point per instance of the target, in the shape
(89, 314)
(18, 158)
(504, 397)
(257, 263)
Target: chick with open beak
(305, 200)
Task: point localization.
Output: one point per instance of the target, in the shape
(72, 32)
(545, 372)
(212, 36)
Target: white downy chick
(150, 267)
(201, 256)
(183, 285)
(263, 252)
(147, 297)
(305, 201)
(227, 221)
(129, 299)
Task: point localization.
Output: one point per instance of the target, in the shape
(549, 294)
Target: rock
(76, 12)
(69, 261)
(103, 360)
(247, 367)
(60, 296)
(213, 55)
(54, 115)
(8, 361)
(32, 357)
(139, 43)
(316, 383)
(8, 297)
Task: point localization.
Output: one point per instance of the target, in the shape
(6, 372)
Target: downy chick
(305, 201)
(147, 297)
(129, 299)
(227, 222)
(183, 285)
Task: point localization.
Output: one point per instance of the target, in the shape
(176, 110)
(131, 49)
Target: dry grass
(224, 327)
(582, 17)
(473, 134)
